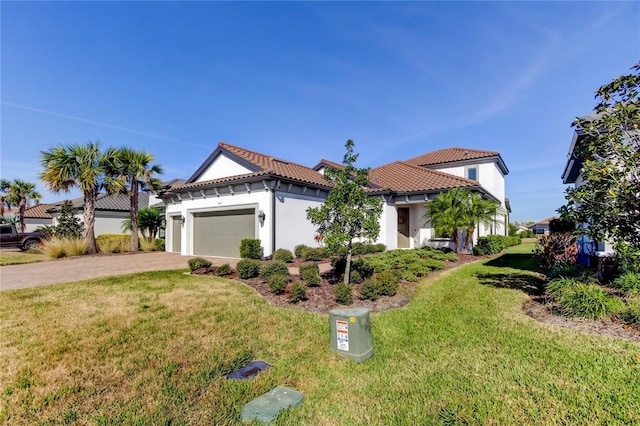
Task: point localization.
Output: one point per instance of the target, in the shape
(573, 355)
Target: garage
(218, 233)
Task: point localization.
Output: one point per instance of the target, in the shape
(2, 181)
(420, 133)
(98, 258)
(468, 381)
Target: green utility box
(351, 333)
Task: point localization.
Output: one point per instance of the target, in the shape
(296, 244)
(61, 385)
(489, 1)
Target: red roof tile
(449, 155)
(403, 177)
(39, 211)
(325, 163)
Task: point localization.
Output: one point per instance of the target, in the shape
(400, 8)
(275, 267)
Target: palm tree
(136, 170)
(448, 213)
(85, 167)
(150, 222)
(19, 193)
(480, 211)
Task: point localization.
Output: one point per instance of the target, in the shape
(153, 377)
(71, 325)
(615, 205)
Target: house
(110, 211)
(542, 227)
(237, 193)
(587, 247)
(38, 216)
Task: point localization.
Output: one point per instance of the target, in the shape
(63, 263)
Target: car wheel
(30, 244)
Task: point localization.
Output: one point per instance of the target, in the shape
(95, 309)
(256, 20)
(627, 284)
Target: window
(471, 173)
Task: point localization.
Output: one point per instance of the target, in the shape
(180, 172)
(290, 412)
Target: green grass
(9, 257)
(154, 348)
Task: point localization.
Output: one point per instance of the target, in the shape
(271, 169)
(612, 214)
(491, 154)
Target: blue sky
(297, 79)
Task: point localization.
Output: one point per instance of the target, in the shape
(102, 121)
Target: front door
(403, 227)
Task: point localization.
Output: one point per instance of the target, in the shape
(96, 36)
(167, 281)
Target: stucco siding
(292, 225)
(221, 167)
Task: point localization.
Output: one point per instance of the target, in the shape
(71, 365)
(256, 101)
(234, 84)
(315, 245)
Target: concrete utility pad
(267, 407)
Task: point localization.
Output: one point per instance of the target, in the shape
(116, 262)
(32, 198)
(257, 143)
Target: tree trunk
(133, 211)
(21, 209)
(347, 267)
(468, 239)
(90, 221)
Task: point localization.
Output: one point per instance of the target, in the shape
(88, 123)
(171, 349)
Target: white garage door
(220, 233)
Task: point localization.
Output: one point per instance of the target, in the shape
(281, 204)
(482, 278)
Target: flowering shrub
(556, 249)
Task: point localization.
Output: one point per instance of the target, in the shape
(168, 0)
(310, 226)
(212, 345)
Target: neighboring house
(237, 193)
(587, 247)
(110, 211)
(542, 227)
(38, 216)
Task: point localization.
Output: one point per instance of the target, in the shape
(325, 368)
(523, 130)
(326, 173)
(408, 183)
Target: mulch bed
(321, 300)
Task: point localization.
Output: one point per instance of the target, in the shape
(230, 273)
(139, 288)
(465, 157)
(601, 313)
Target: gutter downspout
(273, 221)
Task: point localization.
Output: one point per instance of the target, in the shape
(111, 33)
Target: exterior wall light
(182, 220)
(261, 216)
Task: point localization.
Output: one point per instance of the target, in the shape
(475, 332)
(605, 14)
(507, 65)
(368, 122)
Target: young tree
(67, 224)
(608, 202)
(85, 167)
(448, 213)
(136, 171)
(19, 193)
(348, 212)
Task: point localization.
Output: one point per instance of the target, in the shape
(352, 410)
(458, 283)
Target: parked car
(11, 238)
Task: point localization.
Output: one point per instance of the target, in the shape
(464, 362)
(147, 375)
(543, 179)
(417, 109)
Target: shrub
(159, 243)
(113, 243)
(527, 234)
(555, 288)
(309, 253)
(283, 255)
(310, 274)
(565, 270)
(147, 244)
(277, 283)
(387, 283)
(627, 282)
(250, 249)
(297, 250)
(273, 268)
(248, 268)
(224, 269)
(628, 258)
(298, 292)
(588, 301)
(198, 263)
(356, 277)
(76, 246)
(369, 290)
(631, 315)
(53, 248)
(343, 294)
(556, 249)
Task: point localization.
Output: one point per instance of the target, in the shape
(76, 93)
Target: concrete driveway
(14, 277)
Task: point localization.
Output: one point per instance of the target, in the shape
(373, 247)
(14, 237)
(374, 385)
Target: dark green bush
(275, 267)
(315, 254)
(387, 283)
(297, 250)
(310, 274)
(343, 294)
(298, 292)
(224, 269)
(628, 258)
(198, 262)
(369, 290)
(283, 255)
(627, 282)
(250, 249)
(492, 244)
(527, 234)
(277, 283)
(356, 277)
(248, 268)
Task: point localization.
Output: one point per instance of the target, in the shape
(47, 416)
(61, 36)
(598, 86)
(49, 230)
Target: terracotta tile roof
(264, 165)
(401, 176)
(325, 163)
(39, 211)
(449, 155)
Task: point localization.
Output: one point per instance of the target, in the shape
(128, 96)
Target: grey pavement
(80, 268)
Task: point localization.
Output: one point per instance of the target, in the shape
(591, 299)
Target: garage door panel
(220, 233)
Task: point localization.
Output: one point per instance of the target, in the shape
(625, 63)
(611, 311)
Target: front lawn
(16, 257)
(154, 348)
